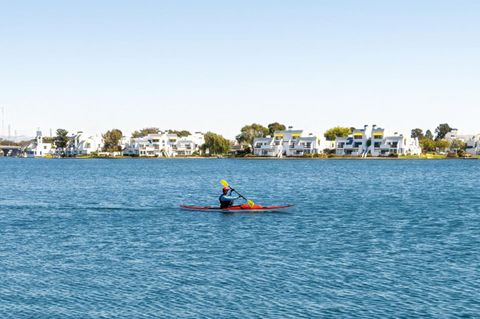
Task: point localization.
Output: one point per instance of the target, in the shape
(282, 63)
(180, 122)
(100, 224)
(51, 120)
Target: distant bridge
(10, 150)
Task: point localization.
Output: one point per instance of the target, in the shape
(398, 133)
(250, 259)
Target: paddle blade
(250, 203)
(224, 183)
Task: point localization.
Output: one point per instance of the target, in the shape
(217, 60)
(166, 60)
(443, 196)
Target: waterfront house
(304, 145)
(189, 145)
(353, 145)
(237, 149)
(38, 148)
(377, 143)
(90, 144)
(473, 145)
(396, 144)
(471, 141)
(83, 144)
(152, 145)
(164, 145)
(454, 135)
(288, 143)
(265, 146)
(132, 147)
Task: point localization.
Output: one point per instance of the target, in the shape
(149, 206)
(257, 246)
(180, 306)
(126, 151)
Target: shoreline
(258, 158)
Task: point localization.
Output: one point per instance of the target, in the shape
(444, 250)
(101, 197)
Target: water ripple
(367, 239)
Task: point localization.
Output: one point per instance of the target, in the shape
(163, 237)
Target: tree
(442, 144)
(250, 132)
(272, 127)
(215, 144)
(337, 131)
(182, 133)
(145, 131)
(427, 144)
(48, 139)
(429, 135)
(441, 131)
(61, 140)
(111, 140)
(457, 145)
(417, 133)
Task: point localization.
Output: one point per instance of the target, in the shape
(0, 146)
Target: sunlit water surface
(366, 239)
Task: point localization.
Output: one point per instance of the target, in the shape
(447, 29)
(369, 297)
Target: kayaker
(226, 199)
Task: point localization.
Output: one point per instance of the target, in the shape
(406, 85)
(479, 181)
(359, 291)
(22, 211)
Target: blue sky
(216, 65)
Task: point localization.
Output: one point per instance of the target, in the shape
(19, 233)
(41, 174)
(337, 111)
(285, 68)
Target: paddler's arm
(229, 198)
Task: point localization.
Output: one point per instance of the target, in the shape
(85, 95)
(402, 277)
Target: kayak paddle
(225, 184)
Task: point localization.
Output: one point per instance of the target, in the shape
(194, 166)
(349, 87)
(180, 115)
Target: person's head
(225, 190)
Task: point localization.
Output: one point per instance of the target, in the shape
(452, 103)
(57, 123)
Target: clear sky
(217, 65)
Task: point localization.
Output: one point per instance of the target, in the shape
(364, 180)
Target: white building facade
(289, 143)
(473, 145)
(392, 145)
(354, 144)
(164, 145)
(471, 141)
(376, 143)
(83, 144)
(189, 145)
(38, 148)
(454, 135)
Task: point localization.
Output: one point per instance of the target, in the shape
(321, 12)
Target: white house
(132, 147)
(89, 145)
(454, 135)
(187, 146)
(399, 145)
(361, 143)
(164, 145)
(287, 143)
(472, 141)
(83, 144)
(38, 148)
(266, 146)
(396, 144)
(354, 144)
(473, 145)
(152, 145)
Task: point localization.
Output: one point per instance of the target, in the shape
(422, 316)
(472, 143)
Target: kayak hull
(236, 208)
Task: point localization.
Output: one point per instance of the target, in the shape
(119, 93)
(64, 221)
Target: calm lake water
(367, 239)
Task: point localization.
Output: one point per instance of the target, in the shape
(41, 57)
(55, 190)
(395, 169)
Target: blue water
(367, 239)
